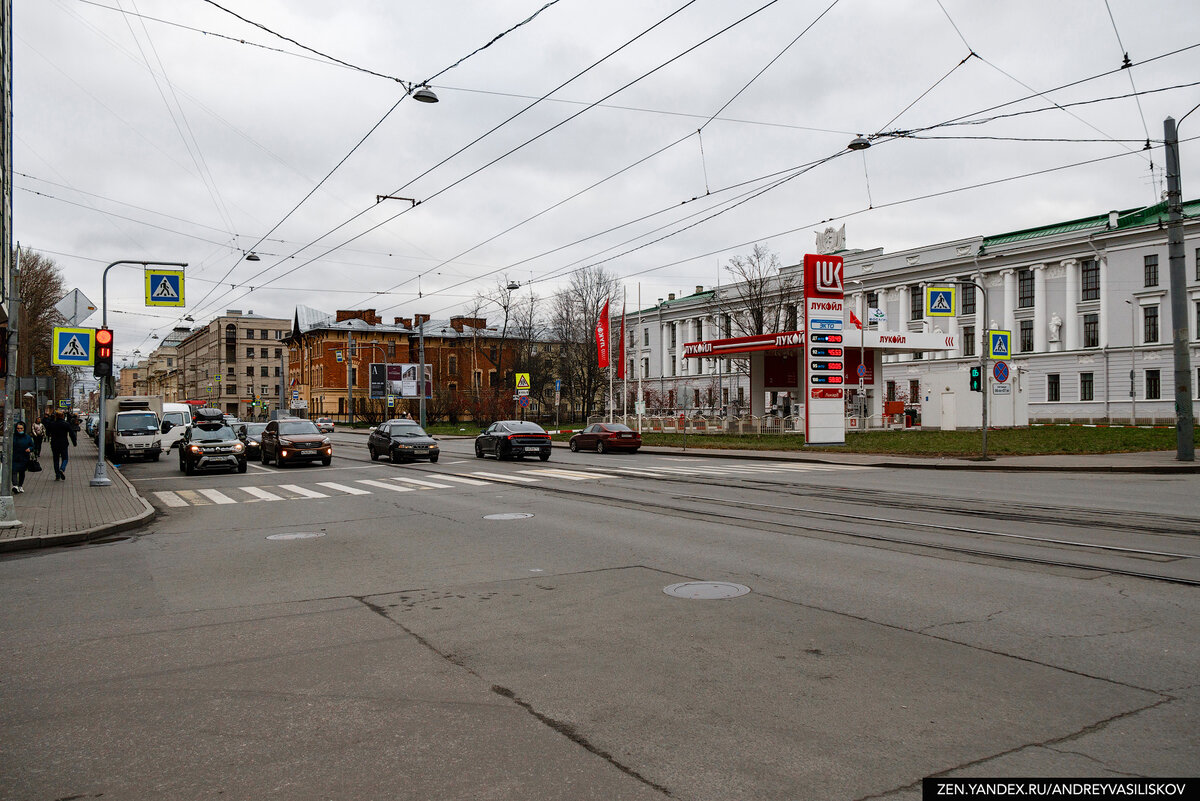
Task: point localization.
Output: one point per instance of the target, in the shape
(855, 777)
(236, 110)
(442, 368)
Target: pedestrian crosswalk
(179, 498)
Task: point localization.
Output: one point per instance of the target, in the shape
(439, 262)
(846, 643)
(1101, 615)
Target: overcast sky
(141, 134)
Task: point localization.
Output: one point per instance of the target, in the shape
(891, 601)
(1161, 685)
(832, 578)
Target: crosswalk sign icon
(74, 347)
(164, 287)
(939, 301)
(999, 344)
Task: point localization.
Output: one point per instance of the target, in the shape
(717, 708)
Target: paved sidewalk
(62, 512)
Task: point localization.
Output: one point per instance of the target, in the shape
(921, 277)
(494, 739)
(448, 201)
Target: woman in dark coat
(22, 452)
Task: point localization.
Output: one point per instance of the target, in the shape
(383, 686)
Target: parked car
(605, 437)
(293, 439)
(210, 444)
(402, 441)
(325, 425)
(506, 439)
(251, 436)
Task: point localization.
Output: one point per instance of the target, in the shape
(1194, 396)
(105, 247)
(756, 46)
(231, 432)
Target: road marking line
(306, 493)
(343, 488)
(508, 478)
(171, 499)
(567, 474)
(635, 472)
(262, 494)
(470, 481)
(216, 496)
(384, 485)
(259, 467)
(193, 498)
(419, 482)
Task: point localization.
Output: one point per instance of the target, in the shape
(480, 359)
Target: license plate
(308, 453)
(421, 451)
(627, 436)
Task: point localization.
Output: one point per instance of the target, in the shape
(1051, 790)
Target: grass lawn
(1041, 440)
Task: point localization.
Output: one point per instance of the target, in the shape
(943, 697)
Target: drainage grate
(508, 516)
(706, 590)
(297, 535)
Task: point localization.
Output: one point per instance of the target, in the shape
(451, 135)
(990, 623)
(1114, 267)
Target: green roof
(1129, 218)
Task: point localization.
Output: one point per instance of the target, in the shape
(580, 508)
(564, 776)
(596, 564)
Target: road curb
(93, 533)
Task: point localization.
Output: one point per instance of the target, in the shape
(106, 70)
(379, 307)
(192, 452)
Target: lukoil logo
(829, 276)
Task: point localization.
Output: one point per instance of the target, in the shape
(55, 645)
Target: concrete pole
(421, 372)
(350, 375)
(1184, 423)
(8, 512)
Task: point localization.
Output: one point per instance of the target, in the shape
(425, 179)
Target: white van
(179, 415)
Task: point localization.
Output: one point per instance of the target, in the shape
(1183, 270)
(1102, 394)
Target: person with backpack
(62, 436)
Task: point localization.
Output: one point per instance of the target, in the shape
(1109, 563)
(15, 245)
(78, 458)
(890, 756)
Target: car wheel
(279, 462)
(478, 451)
(241, 467)
(504, 452)
(574, 446)
(433, 458)
(601, 447)
(187, 468)
(182, 468)
(154, 458)
(545, 457)
(374, 455)
(327, 462)
(395, 457)
(262, 455)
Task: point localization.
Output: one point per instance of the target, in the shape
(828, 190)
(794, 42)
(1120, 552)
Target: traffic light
(977, 379)
(104, 352)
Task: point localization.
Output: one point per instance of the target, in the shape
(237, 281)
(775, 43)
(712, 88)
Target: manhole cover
(297, 535)
(706, 590)
(508, 516)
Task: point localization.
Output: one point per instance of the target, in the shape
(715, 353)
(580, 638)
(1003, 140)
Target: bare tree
(574, 312)
(41, 288)
(761, 299)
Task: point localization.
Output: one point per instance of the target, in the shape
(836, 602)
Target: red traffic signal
(103, 361)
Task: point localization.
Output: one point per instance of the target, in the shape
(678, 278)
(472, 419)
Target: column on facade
(681, 337)
(1071, 323)
(1010, 300)
(1040, 320)
(902, 317)
(700, 337)
(1104, 301)
(664, 351)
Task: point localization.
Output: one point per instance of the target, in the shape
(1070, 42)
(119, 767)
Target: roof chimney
(699, 289)
(1113, 217)
(670, 296)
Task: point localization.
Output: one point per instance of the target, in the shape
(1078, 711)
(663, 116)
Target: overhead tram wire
(1127, 65)
(527, 142)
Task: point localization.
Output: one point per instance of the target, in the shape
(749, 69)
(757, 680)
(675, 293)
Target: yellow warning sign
(522, 383)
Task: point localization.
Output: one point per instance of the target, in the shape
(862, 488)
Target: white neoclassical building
(1087, 302)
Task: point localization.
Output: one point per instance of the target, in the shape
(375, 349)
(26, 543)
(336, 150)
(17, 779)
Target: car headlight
(253, 443)
(433, 447)
(285, 443)
(194, 449)
(238, 448)
(325, 441)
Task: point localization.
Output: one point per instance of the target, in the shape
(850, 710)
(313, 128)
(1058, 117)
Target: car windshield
(208, 432)
(324, 420)
(521, 427)
(298, 427)
(175, 418)
(255, 429)
(408, 431)
(137, 423)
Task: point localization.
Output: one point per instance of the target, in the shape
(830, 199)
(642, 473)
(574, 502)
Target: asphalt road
(366, 631)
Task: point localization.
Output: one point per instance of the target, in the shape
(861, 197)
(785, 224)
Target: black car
(513, 438)
(251, 434)
(293, 439)
(402, 441)
(210, 444)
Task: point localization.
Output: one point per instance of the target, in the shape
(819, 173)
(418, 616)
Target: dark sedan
(605, 437)
(251, 435)
(507, 439)
(402, 441)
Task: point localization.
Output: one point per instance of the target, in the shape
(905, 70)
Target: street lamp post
(1132, 362)
(100, 478)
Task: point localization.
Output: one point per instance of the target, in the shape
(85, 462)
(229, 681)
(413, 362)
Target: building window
(968, 296)
(249, 333)
(1150, 267)
(263, 371)
(1087, 387)
(249, 389)
(452, 365)
(477, 377)
(279, 353)
(741, 398)
(968, 340)
(646, 337)
(1091, 330)
(1025, 289)
(277, 371)
(696, 398)
(872, 300)
(914, 391)
(249, 371)
(275, 389)
(262, 353)
(1149, 324)
(493, 379)
(790, 323)
(1090, 273)
(1026, 336)
(249, 353)
(1194, 336)
(916, 304)
(1052, 387)
(1153, 385)
(727, 325)
(891, 390)
(673, 333)
(646, 368)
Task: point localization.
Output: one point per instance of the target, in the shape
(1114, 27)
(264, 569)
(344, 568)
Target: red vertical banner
(602, 336)
(621, 348)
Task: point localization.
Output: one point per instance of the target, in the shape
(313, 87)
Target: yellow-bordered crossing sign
(939, 301)
(75, 347)
(164, 287)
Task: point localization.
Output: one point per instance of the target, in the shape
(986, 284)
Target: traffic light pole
(100, 477)
(983, 349)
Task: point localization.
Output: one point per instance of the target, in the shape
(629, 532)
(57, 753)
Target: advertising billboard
(399, 380)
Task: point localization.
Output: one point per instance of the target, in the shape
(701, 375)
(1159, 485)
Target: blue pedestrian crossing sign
(939, 301)
(164, 287)
(999, 344)
(74, 347)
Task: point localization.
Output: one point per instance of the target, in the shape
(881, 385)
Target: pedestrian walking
(39, 434)
(62, 437)
(22, 452)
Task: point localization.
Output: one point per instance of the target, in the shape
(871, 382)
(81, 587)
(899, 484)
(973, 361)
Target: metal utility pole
(8, 512)
(350, 374)
(421, 374)
(1184, 423)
